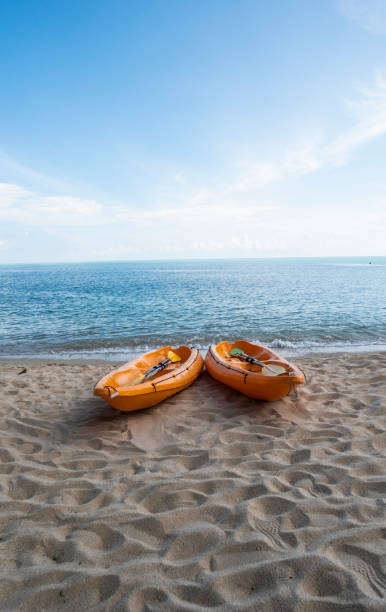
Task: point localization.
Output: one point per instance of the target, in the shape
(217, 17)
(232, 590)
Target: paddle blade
(173, 357)
(236, 351)
(273, 370)
(136, 381)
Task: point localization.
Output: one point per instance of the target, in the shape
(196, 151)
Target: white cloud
(368, 14)
(23, 173)
(21, 205)
(256, 174)
(10, 194)
(72, 209)
(224, 216)
(302, 159)
(201, 213)
(180, 178)
(116, 252)
(368, 115)
(24, 206)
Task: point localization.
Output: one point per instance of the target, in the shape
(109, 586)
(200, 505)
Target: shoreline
(117, 362)
(209, 499)
(311, 353)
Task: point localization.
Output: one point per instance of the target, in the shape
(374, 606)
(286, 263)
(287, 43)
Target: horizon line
(96, 261)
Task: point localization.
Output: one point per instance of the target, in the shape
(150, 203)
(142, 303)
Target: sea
(114, 310)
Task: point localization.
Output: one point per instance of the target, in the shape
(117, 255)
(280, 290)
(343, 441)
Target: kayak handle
(108, 387)
(292, 391)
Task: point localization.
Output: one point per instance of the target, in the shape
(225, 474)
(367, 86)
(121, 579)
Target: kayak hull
(248, 379)
(116, 390)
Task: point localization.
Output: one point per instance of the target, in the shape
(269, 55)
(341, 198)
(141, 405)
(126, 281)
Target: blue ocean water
(114, 310)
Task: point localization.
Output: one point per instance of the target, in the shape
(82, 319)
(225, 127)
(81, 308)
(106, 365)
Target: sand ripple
(210, 501)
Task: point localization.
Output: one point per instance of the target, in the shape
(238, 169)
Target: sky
(172, 129)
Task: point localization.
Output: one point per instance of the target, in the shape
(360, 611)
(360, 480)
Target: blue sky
(188, 128)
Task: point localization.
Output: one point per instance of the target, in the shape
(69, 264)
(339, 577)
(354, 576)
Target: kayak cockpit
(127, 388)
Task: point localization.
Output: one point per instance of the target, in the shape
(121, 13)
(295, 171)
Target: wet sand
(210, 501)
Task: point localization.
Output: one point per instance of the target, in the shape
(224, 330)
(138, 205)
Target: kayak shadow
(205, 402)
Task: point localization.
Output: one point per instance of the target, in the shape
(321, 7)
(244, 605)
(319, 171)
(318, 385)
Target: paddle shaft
(254, 361)
(157, 368)
(172, 358)
(160, 366)
(251, 359)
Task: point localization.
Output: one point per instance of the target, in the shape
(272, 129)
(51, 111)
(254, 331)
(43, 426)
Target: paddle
(172, 358)
(269, 370)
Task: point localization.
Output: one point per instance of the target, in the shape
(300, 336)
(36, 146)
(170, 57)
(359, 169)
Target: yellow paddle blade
(172, 357)
(273, 370)
(136, 381)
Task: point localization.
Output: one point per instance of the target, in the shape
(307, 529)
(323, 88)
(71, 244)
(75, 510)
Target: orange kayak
(116, 390)
(248, 378)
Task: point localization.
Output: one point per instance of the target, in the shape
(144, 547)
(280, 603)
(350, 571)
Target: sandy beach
(210, 501)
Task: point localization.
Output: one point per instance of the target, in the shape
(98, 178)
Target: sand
(210, 501)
